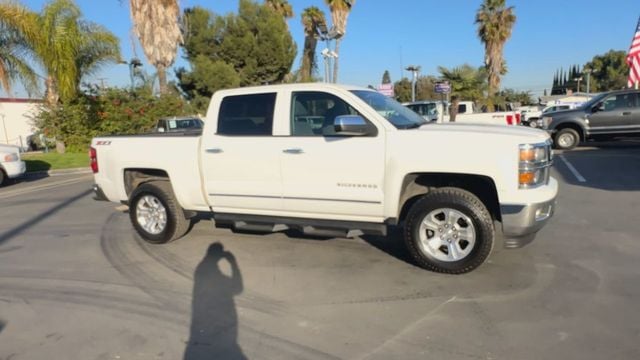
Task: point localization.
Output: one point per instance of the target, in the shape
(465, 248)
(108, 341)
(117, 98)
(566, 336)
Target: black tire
(468, 205)
(177, 224)
(566, 139)
(3, 177)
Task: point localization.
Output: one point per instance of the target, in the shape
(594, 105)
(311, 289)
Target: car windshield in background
(593, 101)
(398, 115)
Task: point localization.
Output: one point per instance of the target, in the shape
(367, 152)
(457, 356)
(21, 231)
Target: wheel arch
(415, 185)
(134, 177)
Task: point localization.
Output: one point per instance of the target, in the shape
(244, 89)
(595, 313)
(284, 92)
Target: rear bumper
(521, 223)
(98, 194)
(15, 169)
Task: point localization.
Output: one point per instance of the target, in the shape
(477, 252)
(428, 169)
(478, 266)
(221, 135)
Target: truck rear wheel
(156, 214)
(449, 230)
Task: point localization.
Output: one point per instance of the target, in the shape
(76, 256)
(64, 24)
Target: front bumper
(521, 223)
(15, 169)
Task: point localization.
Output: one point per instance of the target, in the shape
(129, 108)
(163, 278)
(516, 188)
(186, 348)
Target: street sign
(443, 87)
(386, 90)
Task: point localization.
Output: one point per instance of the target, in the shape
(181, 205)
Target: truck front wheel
(449, 230)
(566, 139)
(156, 214)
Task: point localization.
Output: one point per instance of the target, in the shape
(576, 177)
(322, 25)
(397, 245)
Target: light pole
(588, 72)
(4, 126)
(327, 55)
(578, 79)
(327, 35)
(414, 71)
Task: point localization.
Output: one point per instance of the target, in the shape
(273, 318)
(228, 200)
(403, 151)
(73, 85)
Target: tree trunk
(308, 58)
(335, 61)
(51, 92)
(162, 78)
(455, 101)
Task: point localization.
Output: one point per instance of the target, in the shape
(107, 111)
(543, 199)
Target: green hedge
(107, 112)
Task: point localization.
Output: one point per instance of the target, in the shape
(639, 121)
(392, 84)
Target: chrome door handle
(214, 151)
(293, 151)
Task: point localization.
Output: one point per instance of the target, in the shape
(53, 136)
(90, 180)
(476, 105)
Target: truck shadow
(214, 320)
(609, 166)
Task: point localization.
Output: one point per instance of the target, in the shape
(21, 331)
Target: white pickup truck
(438, 111)
(11, 166)
(337, 161)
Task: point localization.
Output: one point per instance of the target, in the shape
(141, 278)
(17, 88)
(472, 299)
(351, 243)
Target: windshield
(398, 115)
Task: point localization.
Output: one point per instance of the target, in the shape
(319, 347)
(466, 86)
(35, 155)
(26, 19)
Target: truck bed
(175, 153)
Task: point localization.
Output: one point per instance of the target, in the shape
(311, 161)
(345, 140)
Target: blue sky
(384, 35)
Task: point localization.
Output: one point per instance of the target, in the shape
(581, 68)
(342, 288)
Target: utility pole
(102, 83)
(588, 72)
(414, 71)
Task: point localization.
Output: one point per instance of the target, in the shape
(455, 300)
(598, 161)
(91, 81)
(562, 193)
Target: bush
(107, 112)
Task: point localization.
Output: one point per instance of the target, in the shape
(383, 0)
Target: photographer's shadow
(214, 321)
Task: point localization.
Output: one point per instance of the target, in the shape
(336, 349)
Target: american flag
(633, 59)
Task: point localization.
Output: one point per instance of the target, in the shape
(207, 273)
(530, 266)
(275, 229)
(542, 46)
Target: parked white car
(435, 110)
(336, 160)
(11, 166)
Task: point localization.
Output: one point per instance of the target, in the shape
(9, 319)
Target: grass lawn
(55, 161)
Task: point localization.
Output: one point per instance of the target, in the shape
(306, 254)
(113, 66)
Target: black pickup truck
(609, 115)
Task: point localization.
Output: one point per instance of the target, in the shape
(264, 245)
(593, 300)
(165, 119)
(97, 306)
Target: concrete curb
(58, 172)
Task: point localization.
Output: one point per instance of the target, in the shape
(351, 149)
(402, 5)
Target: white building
(570, 98)
(16, 120)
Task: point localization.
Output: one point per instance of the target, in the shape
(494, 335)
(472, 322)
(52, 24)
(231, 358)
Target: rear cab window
(247, 115)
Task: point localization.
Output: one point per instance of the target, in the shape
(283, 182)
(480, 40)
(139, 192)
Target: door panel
(326, 174)
(241, 163)
(614, 114)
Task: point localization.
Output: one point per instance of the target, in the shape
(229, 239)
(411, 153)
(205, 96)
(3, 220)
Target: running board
(315, 227)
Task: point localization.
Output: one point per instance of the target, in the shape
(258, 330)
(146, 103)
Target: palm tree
(98, 47)
(13, 65)
(466, 82)
(312, 18)
(61, 43)
(495, 23)
(156, 23)
(340, 10)
(282, 7)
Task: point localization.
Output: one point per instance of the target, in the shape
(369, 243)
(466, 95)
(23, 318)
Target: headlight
(534, 166)
(11, 157)
(545, 122)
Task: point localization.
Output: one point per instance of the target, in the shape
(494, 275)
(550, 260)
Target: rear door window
(247, 115)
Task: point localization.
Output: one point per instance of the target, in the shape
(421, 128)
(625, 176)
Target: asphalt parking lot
(75, 283)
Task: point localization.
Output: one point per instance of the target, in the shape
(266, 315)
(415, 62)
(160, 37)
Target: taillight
(93, 156)
(517, 118)
(510, 119)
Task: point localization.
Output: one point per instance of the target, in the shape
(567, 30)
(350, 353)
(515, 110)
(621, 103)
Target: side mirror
(596, 108)
(353, 125)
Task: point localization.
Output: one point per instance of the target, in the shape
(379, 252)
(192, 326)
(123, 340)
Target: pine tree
(386, 77)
